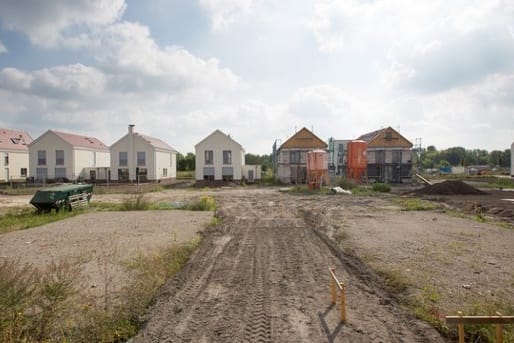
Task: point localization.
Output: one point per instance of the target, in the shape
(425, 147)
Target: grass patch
(487, 333)
(381, 187)
(44, 306)
(498, 182)
(25, 218)
(412, 204)
(186, 174)
(340, 236)
(394, 280)
(205, 203)
(425, 307)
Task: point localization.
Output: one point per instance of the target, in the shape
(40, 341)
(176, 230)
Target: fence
(342, 290)
(498, 320)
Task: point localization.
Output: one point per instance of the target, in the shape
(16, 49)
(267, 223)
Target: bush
(345, 183)
(382, 187)
(205, 203)
(135, 203)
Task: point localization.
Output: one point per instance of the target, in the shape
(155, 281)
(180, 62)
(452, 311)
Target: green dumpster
(65, 196)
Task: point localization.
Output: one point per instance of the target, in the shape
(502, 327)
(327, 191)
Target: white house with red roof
(137, 157)
(62, 156)
(14, 152)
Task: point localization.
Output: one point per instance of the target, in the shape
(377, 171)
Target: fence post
(333, 287)
(499, 330)
(460, 329)
(343, 301)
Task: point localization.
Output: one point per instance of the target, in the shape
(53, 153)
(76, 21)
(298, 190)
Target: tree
(186, 163)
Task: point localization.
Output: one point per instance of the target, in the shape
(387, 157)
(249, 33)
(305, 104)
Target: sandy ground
(262, 276)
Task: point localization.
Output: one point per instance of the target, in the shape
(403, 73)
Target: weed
(415, 204)
(135, 203)
(394, 279)
(381, 187)
(340, 236)
(205, 203)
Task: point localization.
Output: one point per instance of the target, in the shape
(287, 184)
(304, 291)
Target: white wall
(217, 142)
(17, 160)
(156, 160)
(49, 142)
(257, 171)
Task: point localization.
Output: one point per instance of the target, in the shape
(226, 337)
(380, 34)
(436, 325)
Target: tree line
(187, 162)
(459, 156)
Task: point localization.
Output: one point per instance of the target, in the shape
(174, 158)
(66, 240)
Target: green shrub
(205, 203)
(135, 203)
(345, 183)
(382, 187)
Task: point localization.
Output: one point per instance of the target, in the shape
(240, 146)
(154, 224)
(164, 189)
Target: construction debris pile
(449, 188)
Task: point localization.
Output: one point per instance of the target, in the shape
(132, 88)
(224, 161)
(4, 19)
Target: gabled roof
(76, 141)
(386, 137)
(11, 139)
(304, 139)
(156, 142)
(219, 132)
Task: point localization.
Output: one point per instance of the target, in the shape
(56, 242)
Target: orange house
(291, 157)
(389, 156)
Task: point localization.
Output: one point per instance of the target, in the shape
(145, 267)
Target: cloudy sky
(438, 70)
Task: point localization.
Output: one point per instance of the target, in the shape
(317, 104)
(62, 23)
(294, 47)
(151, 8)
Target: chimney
(131, 128)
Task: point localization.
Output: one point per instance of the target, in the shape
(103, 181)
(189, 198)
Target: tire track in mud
(261, 276)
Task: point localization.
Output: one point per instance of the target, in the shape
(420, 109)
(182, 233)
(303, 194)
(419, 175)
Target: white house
(15, 153)
(137, 157)
(64, 156)
(219, 157)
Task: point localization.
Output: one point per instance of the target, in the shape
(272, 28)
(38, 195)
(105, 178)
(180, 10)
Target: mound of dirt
(449, 188)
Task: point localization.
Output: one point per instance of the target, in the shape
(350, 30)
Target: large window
(164, 172)
(6, 158)
(60, 173)
(295, 157)
(143, 175)
(23, 172)
(141, 158)
(41, 157)
(209, 157)
(122, 159)
(59, 157)
(227, 157)
(41, 174)
(123, 174)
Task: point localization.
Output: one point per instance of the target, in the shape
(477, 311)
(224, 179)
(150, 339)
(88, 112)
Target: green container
(65, 196)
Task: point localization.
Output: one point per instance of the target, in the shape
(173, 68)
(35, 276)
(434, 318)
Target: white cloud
(3, 49)
(45, 21)
(225, 12)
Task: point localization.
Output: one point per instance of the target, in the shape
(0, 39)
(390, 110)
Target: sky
(440, 72)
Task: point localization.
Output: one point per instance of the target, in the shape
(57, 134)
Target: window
(92, 175)
(295, 157)
(59, 157)
(143, 174)
(123, 161)
(6, 159)
(209, 157)
(141, 158)
(123, 174)
(60, 173)
(41, 174)
(227, 157)
(389, 135)
(23, 172)
(164, 172)
(41, 157)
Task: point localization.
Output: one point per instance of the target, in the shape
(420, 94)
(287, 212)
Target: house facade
(219, 157)
(14, 152)
(64, 156)
(337, 149)
(141, 158)
(389, 156)
(291, 157)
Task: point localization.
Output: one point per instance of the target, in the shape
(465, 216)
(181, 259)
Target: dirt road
(262, 276)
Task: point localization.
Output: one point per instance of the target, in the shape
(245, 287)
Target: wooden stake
(461, 329)
(499, 330)
(333, 287)
(343, 301)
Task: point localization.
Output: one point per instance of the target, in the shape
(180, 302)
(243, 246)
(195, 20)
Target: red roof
(81, 141)
(14, 140)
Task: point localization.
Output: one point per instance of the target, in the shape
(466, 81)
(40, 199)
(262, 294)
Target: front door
(250, 175)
